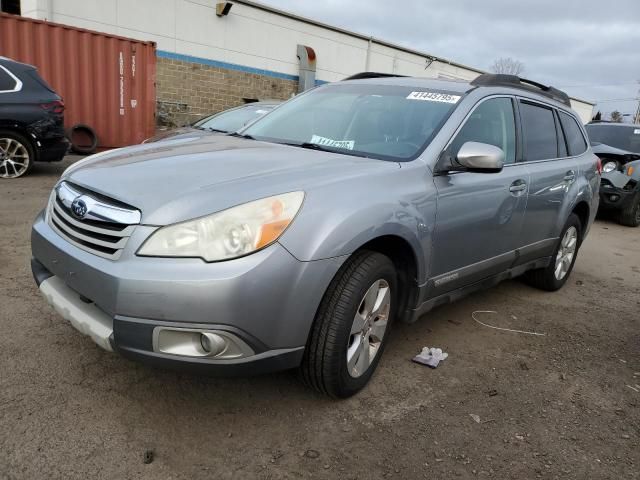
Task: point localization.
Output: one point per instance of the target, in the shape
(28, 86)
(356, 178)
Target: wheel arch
(405, 260)
(21, 130)
(583, 212)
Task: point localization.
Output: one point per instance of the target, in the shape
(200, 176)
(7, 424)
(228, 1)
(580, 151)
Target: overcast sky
(590, 48)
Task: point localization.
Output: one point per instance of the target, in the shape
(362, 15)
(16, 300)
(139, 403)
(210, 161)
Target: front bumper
(267, 299)
(615, 198)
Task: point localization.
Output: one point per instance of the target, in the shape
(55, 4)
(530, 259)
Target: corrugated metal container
(107, 82)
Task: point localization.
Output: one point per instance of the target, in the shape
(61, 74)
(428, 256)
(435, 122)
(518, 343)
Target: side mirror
(480, 157)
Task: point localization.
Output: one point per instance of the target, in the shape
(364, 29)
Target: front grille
(99, 231)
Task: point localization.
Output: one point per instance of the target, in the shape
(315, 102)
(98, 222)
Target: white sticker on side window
(636, 131)
(434, 97)
(328, 142)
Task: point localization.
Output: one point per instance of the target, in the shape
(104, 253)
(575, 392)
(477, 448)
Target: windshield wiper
(211, 129)
(241, 135)
(323, 148)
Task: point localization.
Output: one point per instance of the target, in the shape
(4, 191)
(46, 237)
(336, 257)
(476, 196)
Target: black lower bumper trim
(616, 198)
(250, 367)
(40, 272)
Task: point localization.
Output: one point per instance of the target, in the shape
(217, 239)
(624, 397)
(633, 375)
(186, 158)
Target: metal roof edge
(351, 33)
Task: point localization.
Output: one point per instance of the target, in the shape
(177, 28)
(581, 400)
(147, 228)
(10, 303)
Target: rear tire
(554, 276)
(330, 364)
(16, 155)
(630, 216)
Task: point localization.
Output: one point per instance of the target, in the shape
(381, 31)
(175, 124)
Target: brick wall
(187, 91)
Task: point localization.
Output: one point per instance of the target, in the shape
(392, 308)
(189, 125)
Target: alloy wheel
(566, 252)
(14, 158)
(368, 328)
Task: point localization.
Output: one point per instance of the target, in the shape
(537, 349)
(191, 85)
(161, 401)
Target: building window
(10, 6)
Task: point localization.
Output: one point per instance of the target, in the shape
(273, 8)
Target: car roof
(510, 84)
(9, 62)
(459, 86)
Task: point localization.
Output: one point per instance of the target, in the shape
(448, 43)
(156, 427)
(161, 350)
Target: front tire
(554, 276)
(630, 216)
(352, 326)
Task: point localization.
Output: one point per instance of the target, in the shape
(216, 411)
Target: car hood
(184, 178)
(182, 132)
(607, 151)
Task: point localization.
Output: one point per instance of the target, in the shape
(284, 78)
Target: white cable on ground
(473, 315)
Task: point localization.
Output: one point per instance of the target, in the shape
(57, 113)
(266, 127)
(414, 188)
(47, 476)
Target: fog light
(212, 344)
(614, 198)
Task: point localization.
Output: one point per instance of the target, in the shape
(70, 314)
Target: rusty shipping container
(106, 81)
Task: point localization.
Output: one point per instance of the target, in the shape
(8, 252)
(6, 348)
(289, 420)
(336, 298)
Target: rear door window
(538, 131)
(572, 132)
(7, 81)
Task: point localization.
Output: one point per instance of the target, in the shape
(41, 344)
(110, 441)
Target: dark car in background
(227, 121)
(31, 120)
(618, 146)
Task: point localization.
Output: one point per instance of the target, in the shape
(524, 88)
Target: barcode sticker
(329, 142)
(434, 97)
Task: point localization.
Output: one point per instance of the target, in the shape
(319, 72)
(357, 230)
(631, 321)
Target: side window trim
(519, 131)
(474, 108)
(17, 87)
(561, 137)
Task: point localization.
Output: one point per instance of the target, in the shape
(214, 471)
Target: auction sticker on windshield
(434, 97)
(328, 142)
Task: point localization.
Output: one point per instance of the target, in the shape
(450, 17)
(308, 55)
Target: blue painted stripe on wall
(229, 66)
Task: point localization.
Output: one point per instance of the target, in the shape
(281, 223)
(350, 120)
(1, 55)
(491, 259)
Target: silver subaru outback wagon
(299, 241)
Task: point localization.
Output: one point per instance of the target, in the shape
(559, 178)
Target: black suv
(31, 120)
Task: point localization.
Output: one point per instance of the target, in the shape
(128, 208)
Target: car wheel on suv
(352, 326)
(554, 276)
(16, 154)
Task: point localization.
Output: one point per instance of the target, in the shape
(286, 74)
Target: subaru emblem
(79, 208)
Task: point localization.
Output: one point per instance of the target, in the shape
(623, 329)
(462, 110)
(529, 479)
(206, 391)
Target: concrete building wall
(252, 39)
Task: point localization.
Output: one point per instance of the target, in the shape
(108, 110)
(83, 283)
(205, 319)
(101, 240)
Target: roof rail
(361, 75)
(504, 80)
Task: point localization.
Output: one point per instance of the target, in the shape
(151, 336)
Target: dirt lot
(561, 405)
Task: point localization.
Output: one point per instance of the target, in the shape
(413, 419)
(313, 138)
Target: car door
(552, 173)
(479, 215)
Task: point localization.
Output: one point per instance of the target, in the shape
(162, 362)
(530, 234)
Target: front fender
(338, 222)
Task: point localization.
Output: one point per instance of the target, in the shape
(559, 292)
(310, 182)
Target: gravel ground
(561, 405)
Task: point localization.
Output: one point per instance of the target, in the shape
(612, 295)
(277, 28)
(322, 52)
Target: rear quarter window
(7, 81)
(573, 134)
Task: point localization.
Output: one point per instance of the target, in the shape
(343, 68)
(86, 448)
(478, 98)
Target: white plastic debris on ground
(431, 357)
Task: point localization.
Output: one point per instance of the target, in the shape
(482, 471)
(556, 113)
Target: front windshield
(622, 137)
(233, 120)
(379, 121)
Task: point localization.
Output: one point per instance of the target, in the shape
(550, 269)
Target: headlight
(609, 167)
(228, 234)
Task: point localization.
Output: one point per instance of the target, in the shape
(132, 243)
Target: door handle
(518, 187)
(570, 176)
